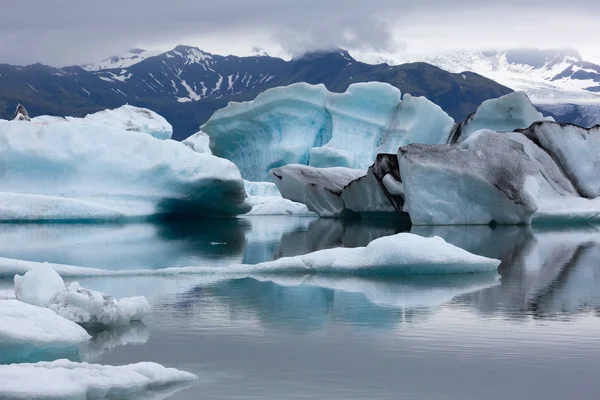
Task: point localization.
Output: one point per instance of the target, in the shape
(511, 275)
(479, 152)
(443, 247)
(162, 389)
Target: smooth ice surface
(400, 254)
(319, 188)
(504, 114)
(306, 124)
(25, 324)
(39, 286)
(66, 379)
(64, 171)
(75, 303)
(486, 178)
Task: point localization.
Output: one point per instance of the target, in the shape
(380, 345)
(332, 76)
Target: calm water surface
(532, 331)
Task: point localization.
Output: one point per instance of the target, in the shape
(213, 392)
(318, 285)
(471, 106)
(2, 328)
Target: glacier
(75, 303)
(56, 170)
(63, 379)
(306, 124)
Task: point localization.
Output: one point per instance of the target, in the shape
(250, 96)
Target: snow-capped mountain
(127, 59)
(547, 76)
(186, 85)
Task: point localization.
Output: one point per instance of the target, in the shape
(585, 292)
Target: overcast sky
(65, 32)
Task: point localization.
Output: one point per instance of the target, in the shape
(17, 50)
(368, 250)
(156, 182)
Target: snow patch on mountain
(127, 59)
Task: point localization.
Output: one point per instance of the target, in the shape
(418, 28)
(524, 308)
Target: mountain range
(546, 75)
(186, 85)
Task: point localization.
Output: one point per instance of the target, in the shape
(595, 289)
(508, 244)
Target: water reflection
(102, 341)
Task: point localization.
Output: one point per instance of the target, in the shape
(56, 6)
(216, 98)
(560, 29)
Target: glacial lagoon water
(531, 331)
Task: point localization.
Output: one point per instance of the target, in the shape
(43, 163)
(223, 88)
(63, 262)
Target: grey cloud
(61, 32)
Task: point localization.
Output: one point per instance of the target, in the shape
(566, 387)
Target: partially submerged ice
(75, 303)
(307, 124)
(63, 379)
(57, 170)
(400, 254)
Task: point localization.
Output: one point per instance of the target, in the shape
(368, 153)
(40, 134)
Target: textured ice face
(65, 171)
(486, 178)
(126, 118)
(319, 188)
(306, 124)
(504, 114)
(42, 286)
(576, 150)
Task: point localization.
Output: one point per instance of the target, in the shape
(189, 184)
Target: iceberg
(504, 114)
(307, 124)
(62, 379)
(487, 178)
(319, 188)
(266, 199)
(78, 172)
(400, 254)
(75, 303)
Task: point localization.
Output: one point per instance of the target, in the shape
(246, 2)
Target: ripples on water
(530, 332)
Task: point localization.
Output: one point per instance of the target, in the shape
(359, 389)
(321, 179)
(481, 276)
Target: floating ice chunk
(399, 254)
(89, 307)
(266, 200)
(96, 172)
(39, 286)
(66, 379)
(504, 114)
(306, 124)
(273, 205)
(75, 303)
(486, 178)
(22, 323)
(319, 188)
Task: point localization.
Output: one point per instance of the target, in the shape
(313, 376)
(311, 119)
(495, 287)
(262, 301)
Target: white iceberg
(25, 324)
(319, 188)
(266, 199)
(64, 171)
(307, 124)
(504, 114)
(64, 379)
(75, 303)
(400, 254)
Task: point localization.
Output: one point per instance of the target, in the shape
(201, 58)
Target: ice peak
(21, 114)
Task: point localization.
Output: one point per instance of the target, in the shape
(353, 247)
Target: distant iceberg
(53, 169)
(307, 124)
